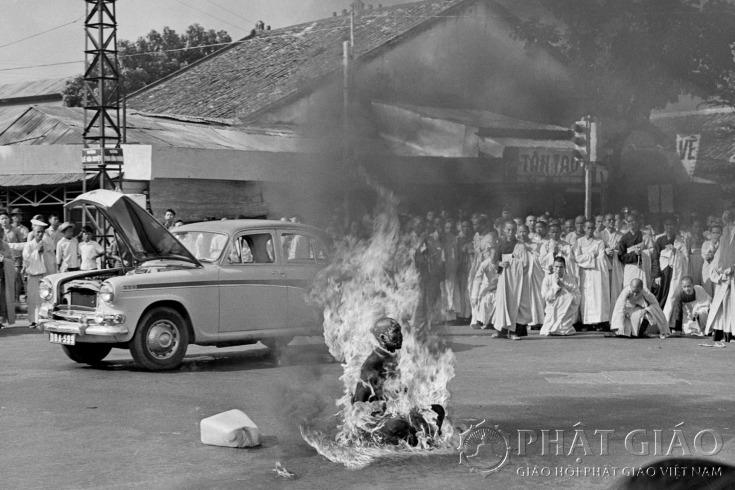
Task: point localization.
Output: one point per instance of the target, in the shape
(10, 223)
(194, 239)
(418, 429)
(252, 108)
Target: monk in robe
(517, 300)
(484, 239)
(464, 263)
(721, 319)
(690, 309)
(670, 263)
(600, 227)
(572, 237)
(634, 253)
(695, 242)
(449, 291)
(561, 296)
(709, 249)
(589, 254)
(611, 236)
(379, 366)
(637, 309)
(554, 247)
(483, 294)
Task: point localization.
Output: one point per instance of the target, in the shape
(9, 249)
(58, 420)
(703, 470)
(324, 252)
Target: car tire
(83, 353)
(161, 340)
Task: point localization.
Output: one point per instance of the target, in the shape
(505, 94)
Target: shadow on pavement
(16, 331)
(245, 360)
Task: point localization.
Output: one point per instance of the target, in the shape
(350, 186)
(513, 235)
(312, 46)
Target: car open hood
(145, 237)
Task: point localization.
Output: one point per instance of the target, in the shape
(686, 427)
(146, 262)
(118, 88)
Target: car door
(252, 290)
(303, 254)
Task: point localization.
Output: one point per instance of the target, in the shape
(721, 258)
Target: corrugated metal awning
(27, 180)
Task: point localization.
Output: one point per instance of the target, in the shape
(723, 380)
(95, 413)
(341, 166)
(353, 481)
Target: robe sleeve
(654, 309)
(549, 289)
(586, 259)
(617, 319)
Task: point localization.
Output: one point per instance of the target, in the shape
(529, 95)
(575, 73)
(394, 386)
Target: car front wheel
(160, 341)
(91, 354)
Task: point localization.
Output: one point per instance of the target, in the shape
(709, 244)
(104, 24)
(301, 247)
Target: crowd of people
(27, 255)
(615, 273)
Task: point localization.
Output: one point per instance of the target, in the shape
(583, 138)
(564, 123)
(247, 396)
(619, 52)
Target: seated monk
(377, 368)
(635, 310)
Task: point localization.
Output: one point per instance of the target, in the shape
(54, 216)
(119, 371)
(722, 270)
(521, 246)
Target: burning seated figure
(379, 367)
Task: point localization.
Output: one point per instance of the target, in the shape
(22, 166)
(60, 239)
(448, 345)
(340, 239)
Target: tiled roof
(717, 141)
(256, 72)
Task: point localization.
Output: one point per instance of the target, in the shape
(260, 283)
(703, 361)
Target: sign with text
(687, 146)
(547, 162)
(92, 157)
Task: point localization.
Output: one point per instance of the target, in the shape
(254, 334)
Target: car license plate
(62, 338)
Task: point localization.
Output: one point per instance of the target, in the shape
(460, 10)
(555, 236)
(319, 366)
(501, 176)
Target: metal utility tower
(102, 155)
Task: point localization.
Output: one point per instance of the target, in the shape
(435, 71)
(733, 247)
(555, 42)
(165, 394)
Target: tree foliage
(154, 56)
(630, 56)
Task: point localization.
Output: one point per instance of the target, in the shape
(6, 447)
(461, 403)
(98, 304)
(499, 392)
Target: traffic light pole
(589, 165)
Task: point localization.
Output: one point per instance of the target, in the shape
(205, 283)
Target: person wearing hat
(67, 250)
(89, 250)
(38, 262)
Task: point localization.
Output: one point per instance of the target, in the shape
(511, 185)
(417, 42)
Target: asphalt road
(64, 425)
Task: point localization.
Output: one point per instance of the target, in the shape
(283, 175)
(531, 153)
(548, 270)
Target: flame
(367, 280)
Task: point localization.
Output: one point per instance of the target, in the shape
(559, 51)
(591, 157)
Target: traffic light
(580, 138)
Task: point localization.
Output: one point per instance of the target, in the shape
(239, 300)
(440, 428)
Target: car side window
(303, 249)
(252, 248)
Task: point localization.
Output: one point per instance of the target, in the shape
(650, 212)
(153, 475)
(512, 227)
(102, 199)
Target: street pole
(346, 55)
(589, 166)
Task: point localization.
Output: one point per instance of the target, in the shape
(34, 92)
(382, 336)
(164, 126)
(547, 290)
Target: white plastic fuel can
(230, 429)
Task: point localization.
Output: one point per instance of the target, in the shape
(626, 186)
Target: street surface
(64, 425)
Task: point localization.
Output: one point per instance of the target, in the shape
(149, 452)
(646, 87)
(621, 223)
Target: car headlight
(45, 290)
(107, 293)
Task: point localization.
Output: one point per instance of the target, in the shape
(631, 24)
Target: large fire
(368, 280)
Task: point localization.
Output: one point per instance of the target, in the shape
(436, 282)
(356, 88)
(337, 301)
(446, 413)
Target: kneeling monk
(635, 310)
(561, 295)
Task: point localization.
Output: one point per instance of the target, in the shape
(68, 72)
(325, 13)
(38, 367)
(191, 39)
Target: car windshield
(206, 246)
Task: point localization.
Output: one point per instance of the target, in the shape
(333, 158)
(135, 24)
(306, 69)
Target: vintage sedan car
(219, 283)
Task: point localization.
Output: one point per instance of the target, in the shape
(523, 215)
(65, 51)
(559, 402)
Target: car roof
(230, 226)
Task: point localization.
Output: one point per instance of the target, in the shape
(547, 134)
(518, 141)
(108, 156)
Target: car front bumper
(60, 326)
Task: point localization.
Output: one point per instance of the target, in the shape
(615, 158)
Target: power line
(41, 66)
(230, 11)
(40, 33)
(208, 14)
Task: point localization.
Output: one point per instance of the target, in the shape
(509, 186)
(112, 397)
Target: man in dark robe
(670, 263)
(633, 253)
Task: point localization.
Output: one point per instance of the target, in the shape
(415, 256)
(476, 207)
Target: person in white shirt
(67, 250)
(89, 251)
(38, 262)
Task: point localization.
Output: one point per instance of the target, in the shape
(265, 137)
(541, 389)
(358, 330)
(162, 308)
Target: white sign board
(687, 146)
